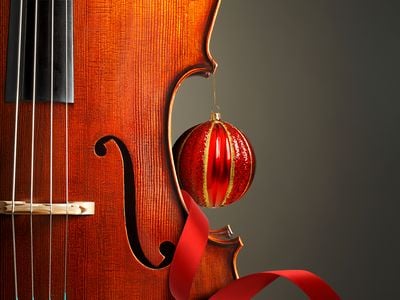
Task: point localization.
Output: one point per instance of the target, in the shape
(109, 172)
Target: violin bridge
(61, 209)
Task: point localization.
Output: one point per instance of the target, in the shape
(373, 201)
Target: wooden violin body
(129, 59)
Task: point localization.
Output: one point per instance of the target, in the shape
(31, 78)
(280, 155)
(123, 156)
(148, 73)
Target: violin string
(51, 143)
(216, 107)
(66, 152)
(17, 95)
(33, 145)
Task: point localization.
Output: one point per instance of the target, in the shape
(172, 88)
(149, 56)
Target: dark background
(315, 86)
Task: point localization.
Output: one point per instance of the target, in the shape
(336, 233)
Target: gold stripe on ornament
(232, 171)
(205, 166)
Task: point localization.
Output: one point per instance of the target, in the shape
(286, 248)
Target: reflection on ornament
(215, 162)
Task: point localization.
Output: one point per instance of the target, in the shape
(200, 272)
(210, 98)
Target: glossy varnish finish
(130, 57)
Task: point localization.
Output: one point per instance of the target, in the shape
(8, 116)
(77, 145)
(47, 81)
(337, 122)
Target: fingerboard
(62, 51)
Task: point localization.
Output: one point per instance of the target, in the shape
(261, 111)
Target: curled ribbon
(194, 240)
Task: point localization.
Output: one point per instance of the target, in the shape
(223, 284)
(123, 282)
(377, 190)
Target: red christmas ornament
(215, 162)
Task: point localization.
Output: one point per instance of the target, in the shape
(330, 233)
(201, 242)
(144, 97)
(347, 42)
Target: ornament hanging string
(191, 247)
(216, 108)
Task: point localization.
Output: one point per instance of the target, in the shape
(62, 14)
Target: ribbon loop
(191, 247)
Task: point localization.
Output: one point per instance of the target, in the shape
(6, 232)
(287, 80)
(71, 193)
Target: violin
(90, 206)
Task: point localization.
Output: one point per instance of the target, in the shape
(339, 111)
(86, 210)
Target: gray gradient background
(315, 86)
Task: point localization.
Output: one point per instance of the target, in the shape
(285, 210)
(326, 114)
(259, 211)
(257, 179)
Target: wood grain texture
(130, 57)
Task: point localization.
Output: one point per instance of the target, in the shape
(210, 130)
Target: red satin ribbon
(191, 247)
(189, 250)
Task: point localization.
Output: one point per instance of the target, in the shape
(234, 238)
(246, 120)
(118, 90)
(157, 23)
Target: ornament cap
(215, 116)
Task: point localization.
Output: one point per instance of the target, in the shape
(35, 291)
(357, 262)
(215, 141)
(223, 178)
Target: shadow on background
(315, 86)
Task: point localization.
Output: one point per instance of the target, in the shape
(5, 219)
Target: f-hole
(167, 248)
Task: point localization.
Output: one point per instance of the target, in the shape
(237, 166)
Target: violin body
(111, 147)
